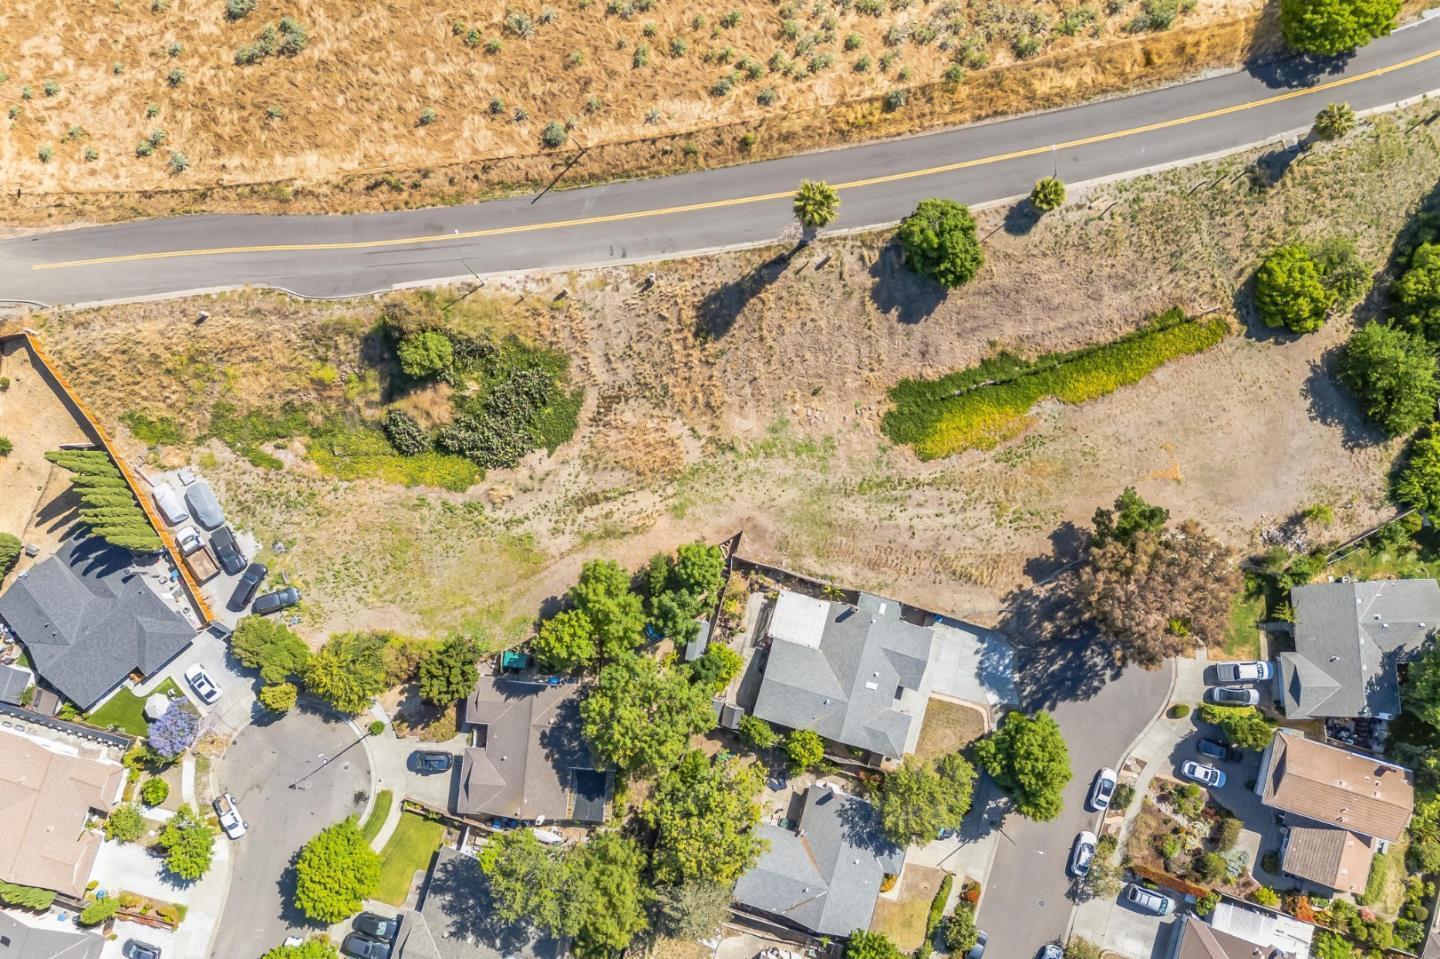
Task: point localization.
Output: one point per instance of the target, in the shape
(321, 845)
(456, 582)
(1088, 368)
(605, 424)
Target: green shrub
(406, 435)
(1179, 711)
(1290, 290)
(757, 732)
(45, 153)
(278, 697)
(98, 911)
(554, 135)
(425, 354)
(51, 88)
(10, 547)
(178, 163)
(175, 77)
(6, 446)
(939, 242)
(1330, 27)
(154, 792)
(237, 9)
(376, 727)
(26, 897)
(1392, 373)
(987, 404)
(1124, 796)
(1229, 833)
(427, 117)
(804, 748)
(124, 824)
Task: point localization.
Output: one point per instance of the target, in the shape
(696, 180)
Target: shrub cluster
(981, 407)
(939, 242)
(285, 39)
(1298, 285)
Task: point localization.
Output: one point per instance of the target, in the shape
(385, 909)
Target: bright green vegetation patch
(153, 430)
(408, 852)
(384, 799)
(126, 711)
(364, 453)
(987, 404)
(1242, 632)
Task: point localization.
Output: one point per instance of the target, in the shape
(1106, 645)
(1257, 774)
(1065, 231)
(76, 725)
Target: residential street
(258, 770)
(1026, 904)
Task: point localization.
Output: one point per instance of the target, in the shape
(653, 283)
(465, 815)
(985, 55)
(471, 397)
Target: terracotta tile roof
(1338, 787)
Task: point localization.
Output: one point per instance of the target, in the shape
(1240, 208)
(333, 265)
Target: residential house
(824, 875)
(858, 675)
(529, 760)
(1237, 931)
(14, 680)
(46, 797)
(456, 919)
(88, 620)
(1350, 639)
(21, 940)
(1341, 808)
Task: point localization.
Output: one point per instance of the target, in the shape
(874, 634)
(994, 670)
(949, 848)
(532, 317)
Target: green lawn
(384, 799)
(1242, 632)
(408, 851)
(125, 710)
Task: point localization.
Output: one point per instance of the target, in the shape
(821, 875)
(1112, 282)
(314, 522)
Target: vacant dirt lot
(410, 103)
(736, 394)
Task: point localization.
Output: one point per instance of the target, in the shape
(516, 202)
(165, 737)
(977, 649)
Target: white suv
(1148, 900)
(229, 814)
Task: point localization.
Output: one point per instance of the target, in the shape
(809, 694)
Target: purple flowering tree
(172, 733)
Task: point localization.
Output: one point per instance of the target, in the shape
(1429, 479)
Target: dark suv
(276, 601)
(222, 541)
(245, 589)
(376, 927)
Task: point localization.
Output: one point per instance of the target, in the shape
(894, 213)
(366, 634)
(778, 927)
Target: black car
(1212, 749)
(276, 601)
(245, 589)
(363, 947)
(377, 927)
(431, 761)
(135, 949)
(222, 541)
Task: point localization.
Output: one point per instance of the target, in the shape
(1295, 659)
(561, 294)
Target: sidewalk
(387, 771)
(967, 855)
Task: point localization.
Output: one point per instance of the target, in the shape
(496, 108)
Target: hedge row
(985, 405)
(932, 921)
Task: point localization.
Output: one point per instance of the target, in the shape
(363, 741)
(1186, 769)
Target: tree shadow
(901, 293)
(1297, 70)
(721, 308)
(1021, 218)
(290, 914)
(1332, 405)
(1067, 544)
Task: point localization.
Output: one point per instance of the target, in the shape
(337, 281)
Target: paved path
(750, 204)
(1026, 904)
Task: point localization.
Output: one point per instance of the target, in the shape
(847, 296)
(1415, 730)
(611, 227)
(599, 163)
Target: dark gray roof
(533, 750)
(456, 919)
(14, 680)
(88, 620)
(20, 941)
(864, 685)
(825, 876)
(696, 647)
(1349, 637)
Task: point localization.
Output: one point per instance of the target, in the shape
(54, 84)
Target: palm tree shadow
(901, 293)
(719, 311)
(1021, 218)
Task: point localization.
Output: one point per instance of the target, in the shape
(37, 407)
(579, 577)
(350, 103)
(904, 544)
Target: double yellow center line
(741, 200)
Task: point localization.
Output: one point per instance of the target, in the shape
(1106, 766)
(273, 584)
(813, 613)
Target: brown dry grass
(948, 728)
(349, 137)
(902, 919)
(772, 425)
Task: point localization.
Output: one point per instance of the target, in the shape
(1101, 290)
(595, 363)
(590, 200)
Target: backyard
(407, 852)
(126, 711)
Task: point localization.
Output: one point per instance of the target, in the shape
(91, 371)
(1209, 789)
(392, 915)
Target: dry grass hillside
(139, 102)
(735, 394)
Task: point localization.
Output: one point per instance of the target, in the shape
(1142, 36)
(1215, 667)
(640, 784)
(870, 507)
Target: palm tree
(1334, 122)
(816, 204)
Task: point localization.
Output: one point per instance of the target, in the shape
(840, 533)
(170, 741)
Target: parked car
(431, 761)
(227, 551)
(1203, 773)
(1236, 695)
(135, 949)
(276, 601)
(171, 506)
(1246, 671)
(203, 685)
(1051, 951)
(363, 947)
(1213, 749)
(978, 950)
(1148, 900)
(247, 586)
(1102, 789)
(1082, 853)
(203, 504)
(229, 814)
(188, 539)
(377, 927)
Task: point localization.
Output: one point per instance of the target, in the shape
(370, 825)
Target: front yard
(126, 711)
(902, 918)
(948, 728)
(408, 852)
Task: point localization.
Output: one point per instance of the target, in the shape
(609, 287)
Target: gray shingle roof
(456, 919)
(1349, 638)
(532, 753)
(865, 685)
(88, 620)
(14, 680)
(825, 876)
(20, 941)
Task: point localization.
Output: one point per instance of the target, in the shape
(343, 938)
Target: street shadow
(1332, 405)
(721, 308)
(1021, 218)
(900, 293)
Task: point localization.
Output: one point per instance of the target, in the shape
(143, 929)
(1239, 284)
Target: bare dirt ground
(343, 124)
(34, 493)
(734, 395)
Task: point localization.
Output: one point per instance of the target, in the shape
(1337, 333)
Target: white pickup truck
(198, 558)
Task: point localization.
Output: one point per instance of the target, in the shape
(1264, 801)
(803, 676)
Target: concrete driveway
(237, 705)
(973, 664)
(167, 942)
(291, 777)
(128, 866)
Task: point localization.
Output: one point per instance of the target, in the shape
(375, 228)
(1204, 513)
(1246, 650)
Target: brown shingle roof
(1330, 857)
(1338, 787)
(45, 798)
(1198, 940)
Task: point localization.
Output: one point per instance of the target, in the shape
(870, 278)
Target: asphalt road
(645, 219)
(1026, 903)
(258, 769)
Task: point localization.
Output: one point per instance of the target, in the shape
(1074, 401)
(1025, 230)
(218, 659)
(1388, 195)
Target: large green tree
(939, 241)
(309, 949)
(1028, 757)
(336, 872)
(1290, 290)
(1328, 27)
(349, 671)
(271, 647)
(565, 642)
(640, 715)
(1422, 686)
(1392, 373)
(528, 880)
(1131, 515)
(1244, 726)
(692, 910)
(870, 945)
(680, 589)
(918, 799)
(704, 815)
(189, 844)
(615, 611)
(448, 672)
(1417, 292)
(1418, 482)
